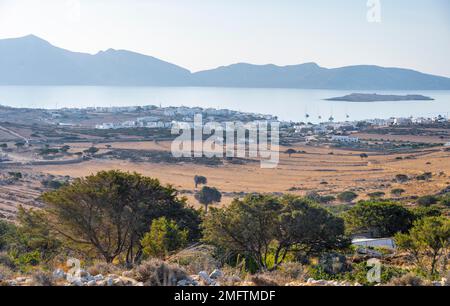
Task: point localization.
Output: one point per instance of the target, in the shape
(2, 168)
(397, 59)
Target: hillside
(31, 60)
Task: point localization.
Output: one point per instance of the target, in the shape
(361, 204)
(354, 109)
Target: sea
(298, 105)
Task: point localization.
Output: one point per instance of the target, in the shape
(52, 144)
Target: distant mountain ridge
(31, 60)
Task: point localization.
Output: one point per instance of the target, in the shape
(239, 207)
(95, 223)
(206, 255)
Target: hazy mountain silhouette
(31, 60)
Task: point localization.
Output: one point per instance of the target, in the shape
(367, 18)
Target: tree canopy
(267, 228)
(379, 219)
(109, 213)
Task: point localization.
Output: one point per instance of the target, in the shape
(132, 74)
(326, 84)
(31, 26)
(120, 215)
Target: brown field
(341, 171)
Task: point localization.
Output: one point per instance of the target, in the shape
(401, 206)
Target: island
(360, 97)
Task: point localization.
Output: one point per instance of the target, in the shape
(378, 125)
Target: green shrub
(347, 196)
(164, 238)
(427, 200)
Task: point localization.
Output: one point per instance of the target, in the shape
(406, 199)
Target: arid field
(327, 171)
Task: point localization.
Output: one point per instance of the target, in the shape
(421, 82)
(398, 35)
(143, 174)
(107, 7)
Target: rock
(126, 281)
(92, 283)
(109, 281)
(139, 284)
(127, 273)
(216, 274)
(113, 276)
(117, 282)
(205, 278)
(187, 282)
(183, 283)
(21, 279)
(98, 277)
(59, 274)
(310, 281)
(77, 282)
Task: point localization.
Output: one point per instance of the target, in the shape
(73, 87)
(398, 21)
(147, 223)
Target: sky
(205, 34)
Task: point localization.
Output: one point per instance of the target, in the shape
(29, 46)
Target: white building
(346, 139)
(387, 243)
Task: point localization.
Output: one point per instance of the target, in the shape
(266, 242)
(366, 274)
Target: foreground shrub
(43, 278)
(155, 272)
(409, 279)
(103, 268)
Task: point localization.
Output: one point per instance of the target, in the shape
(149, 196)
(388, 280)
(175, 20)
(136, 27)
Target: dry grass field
(327, 171)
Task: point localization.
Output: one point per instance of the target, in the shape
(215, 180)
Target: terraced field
(14, 196)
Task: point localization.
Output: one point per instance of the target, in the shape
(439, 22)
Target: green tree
(164, 237)
(200, 180)
(290, 152)
(379, 219)
(7, 233)
(266, 229)
(428, 242)
(207, 196)
(108, 213)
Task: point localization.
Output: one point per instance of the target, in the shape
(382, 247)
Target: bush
(427, 201)
(409, 279)
(43, 278)
(5, 272)
(164, 238)
(376, 195)
(397, 192)
(155, 272)
(7, 231)
(445, 200)
(347, 196)
(103, 268)
(401, 178)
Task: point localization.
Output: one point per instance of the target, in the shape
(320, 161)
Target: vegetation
(427, 200)
(108, 214)
(164, 238)
(378, 219)
(347, 196)
(267, 229)
(200, 180)
(116, 220)
(427, 242)
(207, 196)
(290, 152)
(397, 192)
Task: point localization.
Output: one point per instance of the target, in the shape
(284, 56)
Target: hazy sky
(202, 34)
